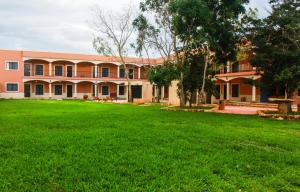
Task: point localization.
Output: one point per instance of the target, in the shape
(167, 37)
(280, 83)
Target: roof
(87, 57)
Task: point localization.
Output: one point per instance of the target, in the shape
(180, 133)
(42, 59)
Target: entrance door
(26, 90)
(69, 71)
(225, 92)
(136, 91)
(69, 90)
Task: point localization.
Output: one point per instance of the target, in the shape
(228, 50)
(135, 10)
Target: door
(136, 91)
(225, 92)
(69, 71)
(27, 90)
(69, 90)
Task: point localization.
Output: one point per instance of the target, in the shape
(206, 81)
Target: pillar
(95, 90)
(228, 90)
(253, 93)
(162, 92)
(75, 70)
(139, 72)
(50, 69)
(75, 90)
(118, 90)
(50, 90)
(96, 70)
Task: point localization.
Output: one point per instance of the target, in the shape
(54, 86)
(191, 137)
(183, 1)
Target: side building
(44, 75)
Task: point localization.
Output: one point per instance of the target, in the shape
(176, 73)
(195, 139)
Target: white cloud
(47, 25)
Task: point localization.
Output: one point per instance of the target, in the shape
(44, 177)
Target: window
(26, 69)
(121, 90)
(58, 71)
(235, 89)
(57, 89)
(39, 69)
(12, 65)
(122, 73)
(218, 87)
(12, 87)
(105, 72)
(235, 67)
(39, 89)
(131, 73)
(105, 90)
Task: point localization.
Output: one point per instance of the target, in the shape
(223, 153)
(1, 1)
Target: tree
(208, 26)
(160, 35)
(277, 46)
(113, 33)
(162, 75)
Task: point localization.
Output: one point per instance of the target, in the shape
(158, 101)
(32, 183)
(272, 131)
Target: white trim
(12, 83)
(102, 71)
(62, 89)
(6, 66)
(62, 72)
(102, 90)
(34, 69)
(239, 92)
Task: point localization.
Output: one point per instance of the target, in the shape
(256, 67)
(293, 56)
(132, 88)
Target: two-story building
(29, 74)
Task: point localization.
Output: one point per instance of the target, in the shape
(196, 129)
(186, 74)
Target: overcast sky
(59, 25)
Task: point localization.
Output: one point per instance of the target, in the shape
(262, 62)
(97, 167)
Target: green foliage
(277, 41)
(85, 146)
(163, 75)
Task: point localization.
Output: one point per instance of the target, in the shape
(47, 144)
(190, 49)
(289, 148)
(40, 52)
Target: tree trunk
(129, 99)
(158, 93)
(182, 96)
(202, 94)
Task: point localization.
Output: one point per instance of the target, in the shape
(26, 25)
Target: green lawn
(85, 146)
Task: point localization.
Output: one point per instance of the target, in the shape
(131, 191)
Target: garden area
(48, 145)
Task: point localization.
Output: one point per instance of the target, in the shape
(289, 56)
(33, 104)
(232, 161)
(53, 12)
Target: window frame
(107, 71)
(239, 90)
(62, 89)
(107, 90)
(62, 71)
(123, 90)
(124, 74)
(35, 89)
(17, 83)
(7, 66)
(42, 70)
(132, 73)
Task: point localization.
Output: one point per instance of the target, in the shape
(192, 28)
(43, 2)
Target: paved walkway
(243, 110)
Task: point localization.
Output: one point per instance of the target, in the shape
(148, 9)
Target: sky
(60, 25)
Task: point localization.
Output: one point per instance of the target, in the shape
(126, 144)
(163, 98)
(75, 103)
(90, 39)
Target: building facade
(43, 75)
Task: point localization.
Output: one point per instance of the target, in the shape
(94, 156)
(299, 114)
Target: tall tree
(277, 46)
(113, 33)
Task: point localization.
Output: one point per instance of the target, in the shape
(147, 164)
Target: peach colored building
(29, 74)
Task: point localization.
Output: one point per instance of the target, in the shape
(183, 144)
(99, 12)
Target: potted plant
(85, 97)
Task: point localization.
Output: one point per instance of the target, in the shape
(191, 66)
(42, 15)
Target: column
(95, 90)
(118, 71)
(50, 69)
(228, 90)
(75, 70)
(228, 67)
(139, 73)
(162, 94)
(96, 70)
(253, 93)
(75, 90)
(50, 90)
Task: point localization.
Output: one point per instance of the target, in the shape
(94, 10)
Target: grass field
(85, 146)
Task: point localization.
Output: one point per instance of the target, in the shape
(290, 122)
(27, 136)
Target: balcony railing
(80, 74)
